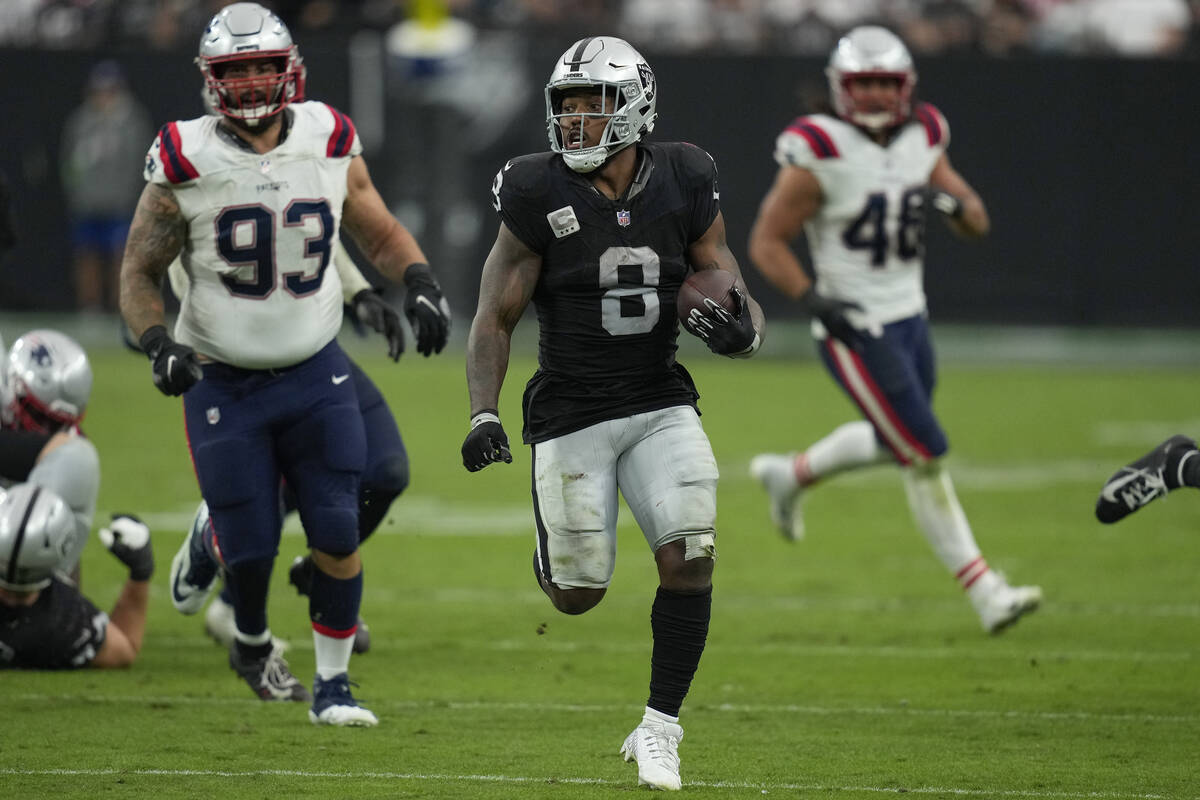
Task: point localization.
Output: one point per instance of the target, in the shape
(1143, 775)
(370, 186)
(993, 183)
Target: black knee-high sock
(248, 582)
(680, 626)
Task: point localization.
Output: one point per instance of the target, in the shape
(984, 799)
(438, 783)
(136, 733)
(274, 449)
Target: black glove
(946, 203)
(371, 309)
(426, 309)
(128, 538)
(725, 334)
(832, 314)
(174, 365)
(487, 442)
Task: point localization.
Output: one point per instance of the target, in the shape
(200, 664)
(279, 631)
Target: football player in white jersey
(858, 183)
(384, 478)
(253, 201)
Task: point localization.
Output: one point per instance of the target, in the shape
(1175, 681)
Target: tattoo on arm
(156, 237)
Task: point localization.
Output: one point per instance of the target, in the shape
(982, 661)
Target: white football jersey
(262, 229)
(867, 237)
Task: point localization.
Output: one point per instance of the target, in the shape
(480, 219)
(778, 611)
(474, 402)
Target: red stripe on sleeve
(812, 140)
(825, 138)
(339, 126)
(341, 141)
(190, 172)
(930, 118)
(165, 157)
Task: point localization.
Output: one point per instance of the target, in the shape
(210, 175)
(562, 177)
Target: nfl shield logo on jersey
(623, 219)
(214, 415)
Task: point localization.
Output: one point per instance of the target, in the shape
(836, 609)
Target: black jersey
(19, 451)
(610, 272)
(61, 630)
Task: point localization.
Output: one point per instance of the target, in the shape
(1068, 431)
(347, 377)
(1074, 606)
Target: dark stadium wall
(1088, 168)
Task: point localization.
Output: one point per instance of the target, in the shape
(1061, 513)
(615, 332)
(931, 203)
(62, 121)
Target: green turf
(846, 665)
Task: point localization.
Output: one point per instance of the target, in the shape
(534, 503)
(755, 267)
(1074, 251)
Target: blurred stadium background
(1070, 116)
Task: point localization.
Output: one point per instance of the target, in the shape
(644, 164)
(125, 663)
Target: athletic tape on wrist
(751, 350)
(482, 417)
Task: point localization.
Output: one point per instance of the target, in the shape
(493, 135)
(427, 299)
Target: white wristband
(482, 417)
(751, 350)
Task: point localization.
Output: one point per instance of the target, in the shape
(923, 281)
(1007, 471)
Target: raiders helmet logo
(647, 76)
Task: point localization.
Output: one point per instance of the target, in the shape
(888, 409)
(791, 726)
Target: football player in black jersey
(600, 233)
(45, 385)
(45, 622)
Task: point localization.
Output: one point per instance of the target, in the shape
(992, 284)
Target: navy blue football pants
(248, 429)
(891, 379)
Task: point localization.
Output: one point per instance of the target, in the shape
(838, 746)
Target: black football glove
(128, 538)
(725, 334)
(945, 203)
(175, 366)
(832, 313)
(372, 310)
(426, 309)
(487, 443)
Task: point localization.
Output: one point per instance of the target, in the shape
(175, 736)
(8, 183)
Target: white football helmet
(870, 51)
(48, 381)
(37, 531)
(245, 32)
(620, 73)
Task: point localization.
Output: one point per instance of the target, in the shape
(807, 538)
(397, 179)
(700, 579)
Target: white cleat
(655, 748)
(193, 570)
(220, 625)
(333, 704)
(777, 474)
(1004, 605)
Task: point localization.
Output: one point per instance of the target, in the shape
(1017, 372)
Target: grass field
(847, 665)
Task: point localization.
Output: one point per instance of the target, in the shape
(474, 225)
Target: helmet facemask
(48, 380)
(29, 414)
(623, 89)
(565, 128)
(871, 52)
(252, 98)
(238, 35)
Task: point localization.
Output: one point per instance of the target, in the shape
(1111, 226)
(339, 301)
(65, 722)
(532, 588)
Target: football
(715, 284)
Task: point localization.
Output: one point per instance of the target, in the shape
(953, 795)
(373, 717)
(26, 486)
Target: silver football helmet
(620, 73)
(37, 531)
(247, 32)
(48, 381)
(870, 51)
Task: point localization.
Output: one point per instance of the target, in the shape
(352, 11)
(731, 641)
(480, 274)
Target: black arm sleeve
(19, 451)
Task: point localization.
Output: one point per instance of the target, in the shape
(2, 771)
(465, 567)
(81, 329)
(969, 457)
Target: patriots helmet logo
(41, 355)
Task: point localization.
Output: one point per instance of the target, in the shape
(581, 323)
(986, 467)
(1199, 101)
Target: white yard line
(542, 644)
(693, 710)
(765, 787)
